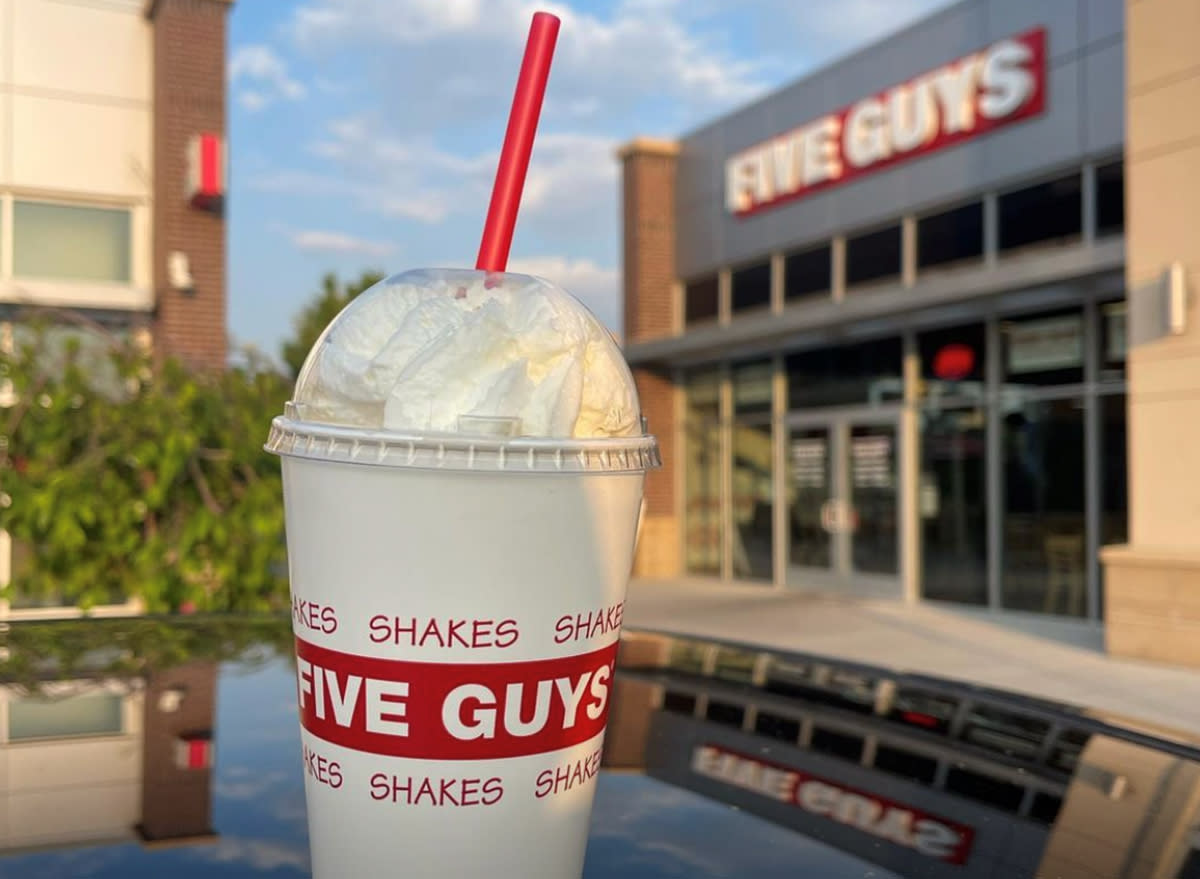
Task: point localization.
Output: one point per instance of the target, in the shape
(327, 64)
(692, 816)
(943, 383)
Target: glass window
(69, 242)
(700, 300)
(953, 361)
(952, 504)
(752, 501)
(1114, 474)
(752, 387)
(867, 372)
(1045, 556)
(1110, 198)
(751, 288)
(951, 236)
(702, 475)
(85, 714)
(1043, 213)
(873, 496)
(1112, 341)
(1043, 350)
(810, 486)
(808, 272)
(874, 256)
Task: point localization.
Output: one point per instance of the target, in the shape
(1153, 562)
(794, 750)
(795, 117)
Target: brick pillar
(189, 99)
(177, 799)
(648, 259)
(1152, 607)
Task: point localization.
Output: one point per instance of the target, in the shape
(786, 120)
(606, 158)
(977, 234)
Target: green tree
(124, 475)
(311, 322)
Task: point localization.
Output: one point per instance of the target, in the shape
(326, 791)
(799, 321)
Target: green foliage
(310, 323)
(126, 476)
(38, 652)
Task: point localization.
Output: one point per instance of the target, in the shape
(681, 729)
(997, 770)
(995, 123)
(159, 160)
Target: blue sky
(364, 133)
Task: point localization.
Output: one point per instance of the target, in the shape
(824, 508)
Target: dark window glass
(1067, 748)
(927, 711)
(1045, 808)
(1191, 866)
(1043, 350)
(725, 714)
(1045, 212)
(953, 361)
(1112, 341)
(874, 256)
(700, 300)
(874, 476)
(751, 288)
(984, 789)
(1114, 475)
(1006, 732)
(1045, 555)
(679, 703)
(775, 727)
(905, 764)
(953, 506)
(1110, 198)
(837, 744)
(868, 372)
(951, 236)
(808, 272)
(810, 472)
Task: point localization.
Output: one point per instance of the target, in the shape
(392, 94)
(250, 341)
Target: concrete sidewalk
(1043, 658)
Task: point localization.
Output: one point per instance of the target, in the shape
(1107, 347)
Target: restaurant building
(112, 178)
(923, 324)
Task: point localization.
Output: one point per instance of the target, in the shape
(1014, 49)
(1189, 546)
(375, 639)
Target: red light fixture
(954, 362)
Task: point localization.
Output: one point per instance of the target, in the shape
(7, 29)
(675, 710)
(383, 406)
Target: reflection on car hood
(722, 760)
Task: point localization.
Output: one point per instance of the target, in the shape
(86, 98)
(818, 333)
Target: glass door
(844, 501)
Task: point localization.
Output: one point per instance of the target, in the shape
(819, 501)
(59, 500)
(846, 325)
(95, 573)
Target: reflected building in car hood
(922, 777)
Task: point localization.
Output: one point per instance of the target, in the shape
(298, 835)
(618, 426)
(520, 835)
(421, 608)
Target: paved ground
(1040, 658)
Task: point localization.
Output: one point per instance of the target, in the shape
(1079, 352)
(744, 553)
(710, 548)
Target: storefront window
(810, 465)
(700, 300)
(952, 504)
(84, 714)
(808, 272)
(950, 237)
(1045, 555)
(1044, 350)
(752, 501)
(873, 257)
(1110, 198)
(953, 361)
(702, 476)
(751, 288)
(1045, 213)
(1112, 341)
(874, 481)
(1114, 472)
(753, 486)
(866, 373)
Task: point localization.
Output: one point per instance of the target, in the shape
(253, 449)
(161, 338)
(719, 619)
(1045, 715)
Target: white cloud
(337, 242)
(261, 854)
(263, 77)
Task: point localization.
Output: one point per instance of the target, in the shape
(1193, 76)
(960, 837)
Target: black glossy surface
(723, 762)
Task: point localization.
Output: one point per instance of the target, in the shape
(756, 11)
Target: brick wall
(648, 262)
(177, 803)
(189, 99)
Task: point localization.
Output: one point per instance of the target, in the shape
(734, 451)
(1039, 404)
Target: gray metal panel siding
(1083, 118)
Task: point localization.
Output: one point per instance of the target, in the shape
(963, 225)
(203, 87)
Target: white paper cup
(457, 605)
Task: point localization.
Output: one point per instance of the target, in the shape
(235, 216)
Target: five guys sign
(1002, 84)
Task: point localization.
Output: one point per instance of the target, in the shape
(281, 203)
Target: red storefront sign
(997, 86)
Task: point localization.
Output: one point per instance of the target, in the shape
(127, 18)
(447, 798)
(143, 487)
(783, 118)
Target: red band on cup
(453, 711)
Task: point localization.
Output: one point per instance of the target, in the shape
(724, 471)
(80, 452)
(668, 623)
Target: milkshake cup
(463, 462)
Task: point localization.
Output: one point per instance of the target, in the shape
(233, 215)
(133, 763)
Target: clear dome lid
(453, 351)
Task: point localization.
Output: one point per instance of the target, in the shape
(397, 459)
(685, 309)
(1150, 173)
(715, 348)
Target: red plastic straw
(518, 143)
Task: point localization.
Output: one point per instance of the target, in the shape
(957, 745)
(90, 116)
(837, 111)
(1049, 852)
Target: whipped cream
(421, 350)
